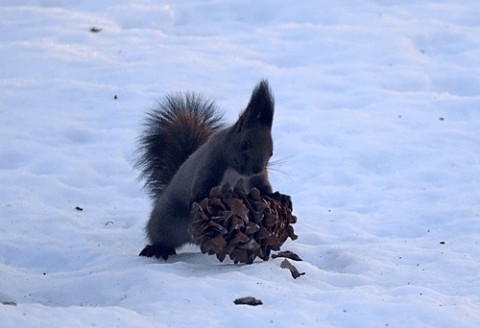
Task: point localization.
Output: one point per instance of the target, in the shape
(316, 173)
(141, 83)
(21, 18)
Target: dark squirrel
(185, 151)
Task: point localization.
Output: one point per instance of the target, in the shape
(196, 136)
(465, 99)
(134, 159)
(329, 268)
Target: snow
(376, 140)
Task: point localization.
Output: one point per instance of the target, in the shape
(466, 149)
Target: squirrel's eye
(246, 145)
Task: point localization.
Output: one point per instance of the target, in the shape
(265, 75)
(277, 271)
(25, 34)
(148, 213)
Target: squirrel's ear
(259, 109)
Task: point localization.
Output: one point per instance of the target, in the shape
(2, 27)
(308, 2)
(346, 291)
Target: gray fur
(241, 151)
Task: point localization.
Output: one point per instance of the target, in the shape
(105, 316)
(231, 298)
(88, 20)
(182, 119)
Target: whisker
(274, 165)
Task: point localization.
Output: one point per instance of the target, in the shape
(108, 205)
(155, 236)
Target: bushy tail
(174, 130)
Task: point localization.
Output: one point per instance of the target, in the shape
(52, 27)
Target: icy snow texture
(376, 138)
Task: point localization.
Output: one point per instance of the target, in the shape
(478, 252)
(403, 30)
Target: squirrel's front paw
(284, 199)
(158, 251)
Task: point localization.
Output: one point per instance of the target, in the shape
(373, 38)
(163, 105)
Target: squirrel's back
(173, 131)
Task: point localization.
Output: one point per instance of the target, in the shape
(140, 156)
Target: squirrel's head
(251, 144)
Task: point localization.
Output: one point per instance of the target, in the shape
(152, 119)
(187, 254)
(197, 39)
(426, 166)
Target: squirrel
(185, 151)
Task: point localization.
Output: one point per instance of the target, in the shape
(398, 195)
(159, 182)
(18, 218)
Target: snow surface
(376, 138)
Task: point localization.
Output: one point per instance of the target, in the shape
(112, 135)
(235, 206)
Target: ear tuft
(261, 106)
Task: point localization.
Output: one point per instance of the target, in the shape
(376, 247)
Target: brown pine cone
(242, 225)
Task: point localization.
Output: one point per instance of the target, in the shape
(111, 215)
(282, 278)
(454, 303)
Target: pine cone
(242, 225)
